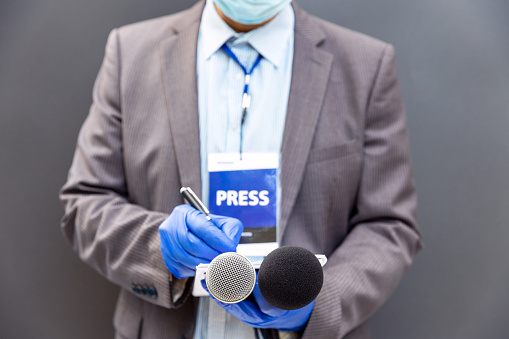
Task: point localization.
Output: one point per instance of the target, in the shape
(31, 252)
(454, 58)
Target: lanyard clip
(246, 101)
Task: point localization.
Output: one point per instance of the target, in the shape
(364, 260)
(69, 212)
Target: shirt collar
(270, 40)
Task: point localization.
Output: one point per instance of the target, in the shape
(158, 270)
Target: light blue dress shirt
(220, 90)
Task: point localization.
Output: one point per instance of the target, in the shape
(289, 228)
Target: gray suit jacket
(347, 187)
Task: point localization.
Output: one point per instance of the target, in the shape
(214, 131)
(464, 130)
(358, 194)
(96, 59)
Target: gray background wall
(453, 59)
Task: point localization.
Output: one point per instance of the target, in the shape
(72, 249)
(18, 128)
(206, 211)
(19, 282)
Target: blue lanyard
(246, 98)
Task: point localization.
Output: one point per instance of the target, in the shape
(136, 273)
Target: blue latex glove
(189, 239)
(261, 314)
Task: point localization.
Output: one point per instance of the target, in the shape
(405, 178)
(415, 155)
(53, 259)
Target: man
(170, 92)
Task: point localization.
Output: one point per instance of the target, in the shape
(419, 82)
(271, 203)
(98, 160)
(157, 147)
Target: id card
(247, 190)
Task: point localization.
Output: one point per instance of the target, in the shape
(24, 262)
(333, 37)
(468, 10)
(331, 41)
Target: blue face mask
(251, 12)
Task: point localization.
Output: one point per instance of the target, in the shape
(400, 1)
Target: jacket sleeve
(117, 238)
(366, 268)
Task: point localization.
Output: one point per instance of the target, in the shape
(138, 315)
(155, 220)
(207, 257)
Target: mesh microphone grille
(230, 277)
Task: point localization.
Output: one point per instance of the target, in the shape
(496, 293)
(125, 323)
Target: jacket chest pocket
(333, 171)
(331, 180)
(333, 152)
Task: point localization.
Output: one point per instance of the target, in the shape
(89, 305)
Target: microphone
(230, 277)
(289, 277)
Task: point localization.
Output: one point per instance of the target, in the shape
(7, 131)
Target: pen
(194, 201)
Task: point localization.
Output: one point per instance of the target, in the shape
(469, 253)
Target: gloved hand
(189, 239)
(261, 314)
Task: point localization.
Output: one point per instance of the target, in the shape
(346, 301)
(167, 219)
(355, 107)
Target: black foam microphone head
(290, 277)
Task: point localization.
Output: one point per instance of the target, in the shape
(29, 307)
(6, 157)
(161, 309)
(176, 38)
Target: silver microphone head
(230, 277)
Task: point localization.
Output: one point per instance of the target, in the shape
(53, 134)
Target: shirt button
(234, 127)
(238, 76)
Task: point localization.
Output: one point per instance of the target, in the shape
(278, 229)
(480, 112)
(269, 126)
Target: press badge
(247, 190)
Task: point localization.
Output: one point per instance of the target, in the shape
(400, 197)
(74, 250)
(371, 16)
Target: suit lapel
(310, 74)
(178, 58)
